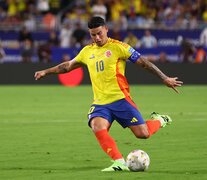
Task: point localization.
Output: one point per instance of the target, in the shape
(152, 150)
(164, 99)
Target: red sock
(153, 126)
(108, 144)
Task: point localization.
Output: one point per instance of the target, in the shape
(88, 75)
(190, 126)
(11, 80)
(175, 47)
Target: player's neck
(105, 42)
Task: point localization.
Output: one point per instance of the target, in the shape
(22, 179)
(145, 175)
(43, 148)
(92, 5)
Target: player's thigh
(140, 131)
(126, 114)
(99, 123)
(99, 117)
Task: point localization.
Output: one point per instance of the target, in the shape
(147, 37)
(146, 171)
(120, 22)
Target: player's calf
(140, 131)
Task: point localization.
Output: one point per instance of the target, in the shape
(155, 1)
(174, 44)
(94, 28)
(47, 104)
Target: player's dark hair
(95, 22)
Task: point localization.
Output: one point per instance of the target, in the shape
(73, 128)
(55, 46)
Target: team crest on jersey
(108, 53)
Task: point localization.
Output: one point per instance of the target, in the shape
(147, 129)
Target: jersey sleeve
(129, 53)
(80, 56)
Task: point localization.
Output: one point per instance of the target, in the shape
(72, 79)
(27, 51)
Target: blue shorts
(121, 111)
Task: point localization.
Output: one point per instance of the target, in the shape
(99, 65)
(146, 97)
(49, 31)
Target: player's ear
(106, 28)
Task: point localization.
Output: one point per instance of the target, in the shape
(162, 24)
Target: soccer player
(106, 61)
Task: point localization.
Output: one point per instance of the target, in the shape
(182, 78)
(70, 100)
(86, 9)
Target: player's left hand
(172, 82)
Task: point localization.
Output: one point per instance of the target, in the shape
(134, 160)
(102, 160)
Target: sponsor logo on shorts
(134, 120)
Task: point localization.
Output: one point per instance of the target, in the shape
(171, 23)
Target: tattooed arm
(171, 82)
(59, 69)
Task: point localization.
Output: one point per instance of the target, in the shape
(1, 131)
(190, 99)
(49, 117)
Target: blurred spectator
(139, 22)
(36, 15)
(4, 4)
(169, 21)
(148, 22)
(78, 36)
(99, 9)
(24, 34)
(134, 9)
(139, 13)
(78, 14)
(181, 23)
(163, 58)
(200, 55)
(12, 8)
(123, 22)
(65, 36)
(66, 57)
(55, 6)
(44, 53)
(53, 39)
(193, 22)
(43, 6)
(204, 15)
(160, 14)
(49, 21)
(2, 53)
(27, 51)
(131, 39)
(3, 14)
(29, 22)
(116, 32)
(117, 7)
(21, 7)
(203, 37)
(121, 14)
(175, 9)
(187, 51)
(148, 40)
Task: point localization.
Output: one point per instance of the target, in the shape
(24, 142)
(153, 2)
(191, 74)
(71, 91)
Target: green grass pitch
(44, 134)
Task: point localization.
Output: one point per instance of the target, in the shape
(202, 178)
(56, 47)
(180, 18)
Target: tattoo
(62, 68)
(152, 68)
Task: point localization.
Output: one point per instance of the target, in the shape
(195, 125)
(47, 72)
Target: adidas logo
(165, 118)
(108, 150)
(92, 56)
(117, 168)
(134, 120)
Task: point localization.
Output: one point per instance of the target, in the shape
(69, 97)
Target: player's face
(99, 35)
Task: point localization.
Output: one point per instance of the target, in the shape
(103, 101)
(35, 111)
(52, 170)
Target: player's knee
(95, 126)
(98, 124)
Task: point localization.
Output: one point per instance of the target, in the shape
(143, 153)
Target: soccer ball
(138, 160)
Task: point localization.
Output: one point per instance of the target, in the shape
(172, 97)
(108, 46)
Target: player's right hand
(39, 74)
(173, 82)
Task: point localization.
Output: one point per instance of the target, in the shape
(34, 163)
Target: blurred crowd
(34, 14)
(66, 22)
(143, 13)
(123, 13)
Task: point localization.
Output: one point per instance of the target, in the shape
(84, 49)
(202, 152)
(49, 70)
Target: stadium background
(177, 26)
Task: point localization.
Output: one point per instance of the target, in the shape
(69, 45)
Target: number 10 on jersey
(99, 65)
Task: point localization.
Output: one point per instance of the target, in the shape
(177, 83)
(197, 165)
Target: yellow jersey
(106, 66)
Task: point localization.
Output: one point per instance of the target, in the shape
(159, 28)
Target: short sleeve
(81, 55)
